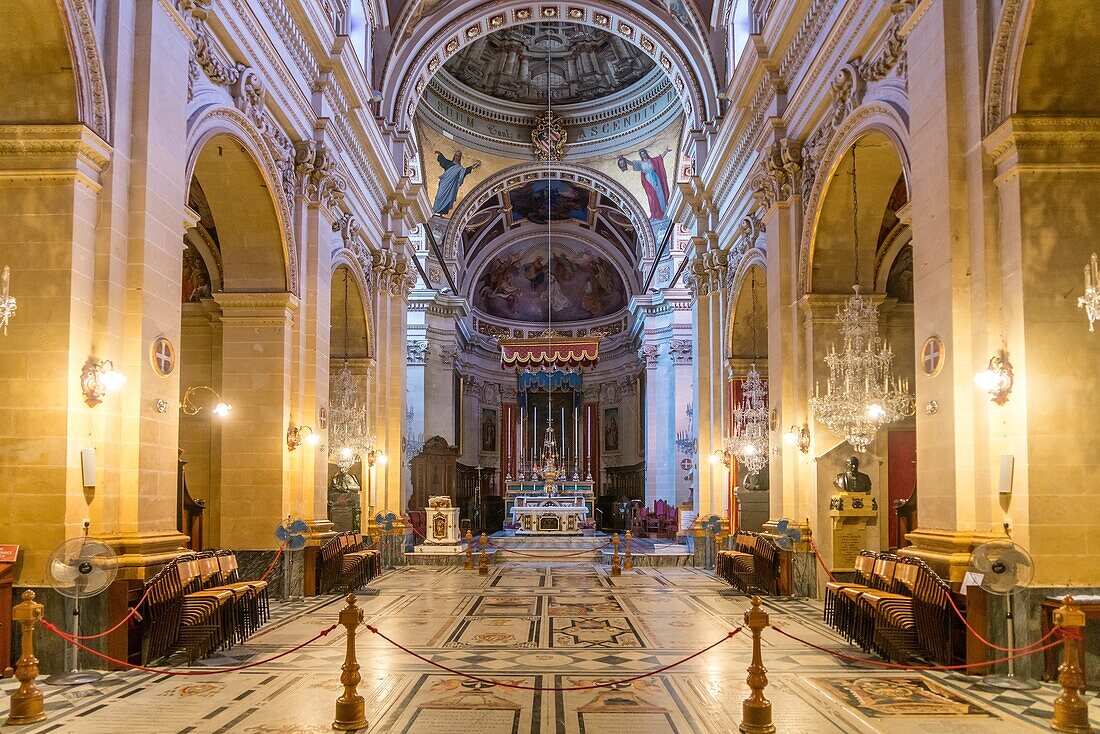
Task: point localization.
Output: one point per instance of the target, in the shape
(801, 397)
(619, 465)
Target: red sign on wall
(8, 553)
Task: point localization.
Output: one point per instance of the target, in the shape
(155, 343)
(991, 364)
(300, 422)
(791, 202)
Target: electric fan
(785, 535)
(1004, 567)
(79, 568)
(291, 533)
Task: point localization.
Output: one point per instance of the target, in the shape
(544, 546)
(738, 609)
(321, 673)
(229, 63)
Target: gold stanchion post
(483, 562)
(469, 551)
(628, 562)
(616, 569)
(756, 711)
(27, 706)
(350, 711)
(1071, 714)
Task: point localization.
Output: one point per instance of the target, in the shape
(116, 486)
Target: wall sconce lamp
(721, 456)
(98, 378)
(190, 407)
(374, 456)
(996, 379)
(799, 436)
(295, 435)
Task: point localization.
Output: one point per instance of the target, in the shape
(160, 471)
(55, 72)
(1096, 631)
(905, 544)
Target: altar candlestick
(563, 445)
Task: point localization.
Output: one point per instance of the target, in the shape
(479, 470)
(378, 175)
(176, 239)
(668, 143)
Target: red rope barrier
(69, 638)
(518, 686)
(897, 666)
(821, 561)
(559, 555)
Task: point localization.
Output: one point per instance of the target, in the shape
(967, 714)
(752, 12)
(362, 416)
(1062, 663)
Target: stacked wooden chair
(896, 607)
(752, 565)
(198, 604)
(347, 563)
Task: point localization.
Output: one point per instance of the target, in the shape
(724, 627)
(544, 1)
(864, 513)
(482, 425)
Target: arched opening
(1059, 66)
(235, 341)
(39, 82)
(862, 235)
(748, 348)
(350, 492)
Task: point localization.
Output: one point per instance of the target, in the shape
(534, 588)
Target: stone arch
(1041, 60)
(225, 121)
(53, 72)
(522, 173)
(417, 57)
(345, 258)
(740, 303)
(874, 117)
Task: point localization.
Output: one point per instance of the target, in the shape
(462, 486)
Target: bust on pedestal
(852, 509)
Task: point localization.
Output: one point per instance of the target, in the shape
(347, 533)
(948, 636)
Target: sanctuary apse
(302, 268)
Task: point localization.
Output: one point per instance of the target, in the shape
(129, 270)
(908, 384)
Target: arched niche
(348, 331)
(879, 177)
(47, 80)
(1059, 65)
(238, 348)
(240, 201)
(742, 319)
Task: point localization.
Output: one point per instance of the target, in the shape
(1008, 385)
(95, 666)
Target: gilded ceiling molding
(91, 82)
(441, 35)
(515, 176)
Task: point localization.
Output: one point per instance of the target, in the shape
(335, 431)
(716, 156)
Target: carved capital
(680, 350)
(416, 352)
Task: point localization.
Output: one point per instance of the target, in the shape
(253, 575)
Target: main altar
(546, 502)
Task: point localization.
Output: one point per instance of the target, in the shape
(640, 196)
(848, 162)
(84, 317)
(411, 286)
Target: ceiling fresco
(585, 64)
(523, 283)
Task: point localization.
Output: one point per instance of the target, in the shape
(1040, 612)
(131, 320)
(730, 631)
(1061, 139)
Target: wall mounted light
(721, 457)
(374, 456)
(190, 407)
(295, 435)
(98, 378)
(799, 436)
(996, 379)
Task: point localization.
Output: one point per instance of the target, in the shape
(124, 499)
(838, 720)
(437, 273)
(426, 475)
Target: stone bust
(852, 480)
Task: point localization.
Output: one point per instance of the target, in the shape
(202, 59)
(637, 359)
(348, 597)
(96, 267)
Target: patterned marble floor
(547, 626)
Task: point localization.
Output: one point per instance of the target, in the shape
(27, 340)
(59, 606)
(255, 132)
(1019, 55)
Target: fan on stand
(79, 568)
(291, 532)
(1003, 567)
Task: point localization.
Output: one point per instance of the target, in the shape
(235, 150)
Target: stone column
(1048, 189)
(949, 278)
(256, 488)
(49, 182)
(709, 271)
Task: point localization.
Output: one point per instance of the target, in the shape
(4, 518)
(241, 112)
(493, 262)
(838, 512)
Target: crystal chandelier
(349, 437)
(750, 417)
(1090, 301)
(861, 395)
(7, 302)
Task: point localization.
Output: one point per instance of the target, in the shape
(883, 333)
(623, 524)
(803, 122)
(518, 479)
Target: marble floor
(561, 625)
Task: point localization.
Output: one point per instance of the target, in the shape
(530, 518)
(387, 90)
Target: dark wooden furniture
(7, 573)
(188, 510)
(906, 512)
(434, 473)
(626, 481)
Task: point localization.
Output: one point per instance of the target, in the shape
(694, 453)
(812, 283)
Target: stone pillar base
(947, 552)
(141, 555)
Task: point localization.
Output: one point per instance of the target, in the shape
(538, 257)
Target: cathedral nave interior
(558, 366)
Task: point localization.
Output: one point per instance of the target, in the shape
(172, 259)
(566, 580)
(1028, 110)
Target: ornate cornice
(53, 152)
